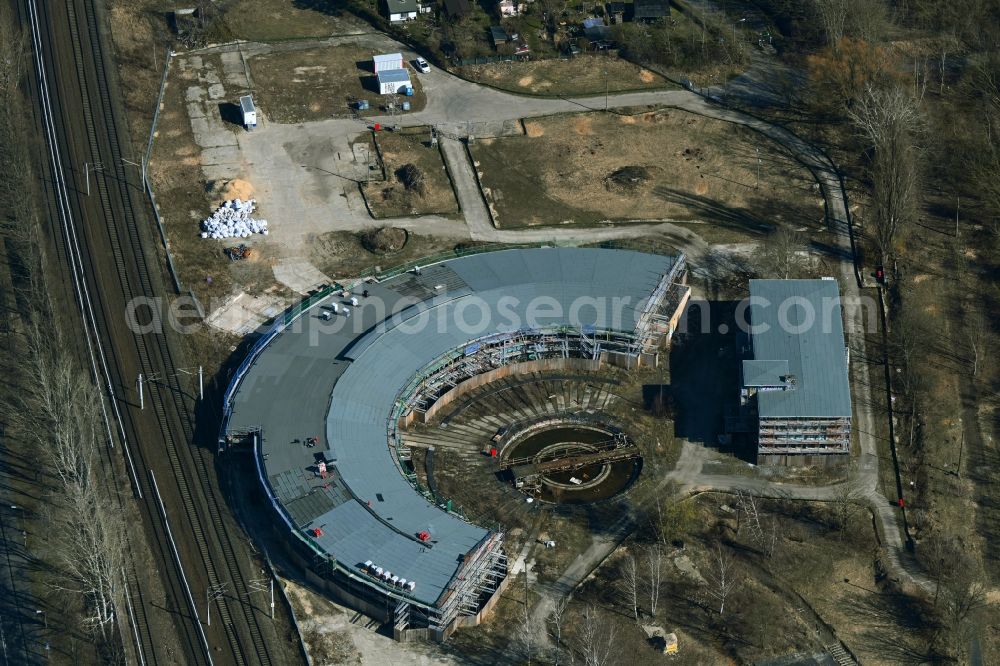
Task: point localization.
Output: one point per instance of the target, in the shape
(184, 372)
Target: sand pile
(237, 189)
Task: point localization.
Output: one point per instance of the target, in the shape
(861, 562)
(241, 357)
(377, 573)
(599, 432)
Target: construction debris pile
(233, 220)
(238, 253)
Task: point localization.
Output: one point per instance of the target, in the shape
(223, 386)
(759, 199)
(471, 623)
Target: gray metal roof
(764, 373)
(799, 321)
(401, 6)
(393, 76)
(338, 380)
(388, 58)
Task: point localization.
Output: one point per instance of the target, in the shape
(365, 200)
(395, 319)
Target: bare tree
(556, 622)
(525, 631)
(595, 639)
(866, 19)
(860, 19)
(747, 504)
(723, 576)
(976, 331)
(959, 591)
(654, 576)
(412, 178)
(725, 271)
(779, 256)
(833, 16)
(846, 502)
(671, 520)
(630, 582)
(552, 10)
(90, 546)
(62, 413)
(888, 118)
(13, 49)
(908, 337)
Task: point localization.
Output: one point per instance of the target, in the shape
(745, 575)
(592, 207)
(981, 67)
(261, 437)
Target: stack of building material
(233, 220)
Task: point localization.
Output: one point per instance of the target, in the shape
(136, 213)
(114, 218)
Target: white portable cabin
(385, 62)
(393, 82)
(249, 112)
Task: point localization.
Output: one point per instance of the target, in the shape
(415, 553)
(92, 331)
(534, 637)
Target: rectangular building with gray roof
(796, 381)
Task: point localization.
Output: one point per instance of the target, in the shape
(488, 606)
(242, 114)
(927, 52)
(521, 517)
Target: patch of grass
(341, 254)
(270, 20)
(313, 84)
(392, 197)
(137, 31)
(181, 195)
(698, 170)
(583, 75)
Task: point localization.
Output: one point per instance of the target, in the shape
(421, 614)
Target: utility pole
(757, 186)
(142, 170)
(201, 383)
(212, 593)
(742, 20)
(87, 168)
(961, 448)
(142, 403)
(606, 86)
(257, 584)
(958, 203)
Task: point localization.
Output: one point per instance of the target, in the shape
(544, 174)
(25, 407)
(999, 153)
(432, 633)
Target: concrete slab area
(242, 313)
(299, 275)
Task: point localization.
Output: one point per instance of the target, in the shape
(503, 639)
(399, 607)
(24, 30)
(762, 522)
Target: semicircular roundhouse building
(324, 393)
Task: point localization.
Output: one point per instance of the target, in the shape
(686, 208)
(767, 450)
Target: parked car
(422, 66)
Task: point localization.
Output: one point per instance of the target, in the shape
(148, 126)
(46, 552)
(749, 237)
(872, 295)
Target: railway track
(67, 245)
(113, 219)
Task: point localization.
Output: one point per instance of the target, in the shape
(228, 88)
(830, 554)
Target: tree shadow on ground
(895, 627)
(328, 7)
(729, 217)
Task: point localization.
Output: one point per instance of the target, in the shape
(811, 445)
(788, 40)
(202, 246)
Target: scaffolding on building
(477, 580)
(495, 351)
(659, 315)
(804, 435)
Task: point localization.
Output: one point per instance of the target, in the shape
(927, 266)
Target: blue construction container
(409, 91)
(362, 105)
(406, 106)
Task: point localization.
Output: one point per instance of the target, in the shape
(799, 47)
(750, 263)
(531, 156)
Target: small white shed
(388, 61)
(249, 112)
(393, 81)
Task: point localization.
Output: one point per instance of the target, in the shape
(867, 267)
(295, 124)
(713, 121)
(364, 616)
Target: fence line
(178, 288)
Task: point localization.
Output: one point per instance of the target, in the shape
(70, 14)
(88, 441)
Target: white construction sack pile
(233, 220)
